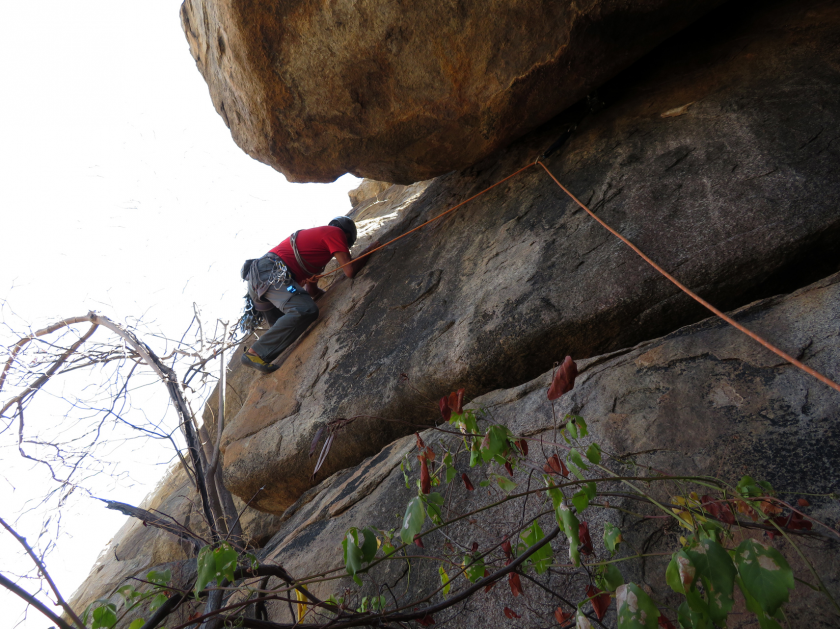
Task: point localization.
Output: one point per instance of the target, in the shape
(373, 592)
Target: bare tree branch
(22, 541)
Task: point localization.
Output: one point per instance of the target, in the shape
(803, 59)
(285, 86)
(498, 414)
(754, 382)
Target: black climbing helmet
(347, 226)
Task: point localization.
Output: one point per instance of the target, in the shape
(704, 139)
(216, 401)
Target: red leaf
(426, 620)
(585, 540)
(803, 503)
(561, 616)
(600, 600)
(515, 584)
(474, 546)
(418, 541)
(425, 480)
(430, 454)
(555, 465)
(665, 623)
(507, 549)
(193, 616)
(794, 522)
(509, 468)
(456, 401)
(511, 614)
(445, 411)
(420, 444)
(467, 482)
(490, 585)
(522, 444)
(720, 510)
(564, 379)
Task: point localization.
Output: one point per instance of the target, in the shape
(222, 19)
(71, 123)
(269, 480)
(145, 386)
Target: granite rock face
(404, 91)
(705, 400)
(717, 156)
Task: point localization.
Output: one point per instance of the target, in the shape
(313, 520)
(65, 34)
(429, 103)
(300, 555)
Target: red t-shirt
(316, 246)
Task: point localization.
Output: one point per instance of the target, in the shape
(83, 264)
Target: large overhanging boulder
(402, 90)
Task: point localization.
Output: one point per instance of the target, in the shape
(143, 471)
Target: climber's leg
(299, 311)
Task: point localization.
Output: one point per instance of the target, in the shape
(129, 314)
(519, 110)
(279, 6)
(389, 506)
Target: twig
(22, 541)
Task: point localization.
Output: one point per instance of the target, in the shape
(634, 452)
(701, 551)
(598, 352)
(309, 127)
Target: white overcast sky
(121, 190)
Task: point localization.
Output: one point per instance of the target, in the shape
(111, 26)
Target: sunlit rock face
(714, 155)
(403, 91)
(717, 154)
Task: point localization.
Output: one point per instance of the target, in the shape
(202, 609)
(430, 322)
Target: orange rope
(697, 298)
(441, 215)
(658, 268)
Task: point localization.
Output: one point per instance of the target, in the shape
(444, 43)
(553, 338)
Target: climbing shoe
(255, 362)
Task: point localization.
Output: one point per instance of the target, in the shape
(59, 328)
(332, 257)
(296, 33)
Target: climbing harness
(556, 145)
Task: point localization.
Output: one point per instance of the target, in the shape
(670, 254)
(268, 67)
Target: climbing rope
(787, 357)
(431, 220)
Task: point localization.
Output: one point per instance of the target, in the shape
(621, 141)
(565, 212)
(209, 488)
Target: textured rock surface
(703, 400)
(404, 91)
(737, 196)
(368, 189)
(717, 155)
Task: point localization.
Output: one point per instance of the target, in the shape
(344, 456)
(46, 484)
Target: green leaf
(583, 429)
(405, 474)
(634, 608)
(580, 500)
(689, 619)
(253, 562)
(474, 567)
(553, 491)
(352, 554)
(157, 601)
(434, 502)
(475, 452)
(575, 470)
(715, 568)
(370, 545)
(444, 580)
(612, 537)
(494, 443)
(506, 484)
(764, 621)
(593, 453)
(136, 624)
(571, 526)
(206, 568)
(128, 593)
(451, 473)
(226, 558)
(104, 617)
(609, 578)
(541, 559)
(577, 459)
(413, 520)
(160, 577)
(573, 431)
(681, 573)
(765, 574)
(748, 488)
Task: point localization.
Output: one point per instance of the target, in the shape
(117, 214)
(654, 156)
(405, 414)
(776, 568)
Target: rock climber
(279, 285)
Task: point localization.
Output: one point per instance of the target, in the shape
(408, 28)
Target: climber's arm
(352, 269)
